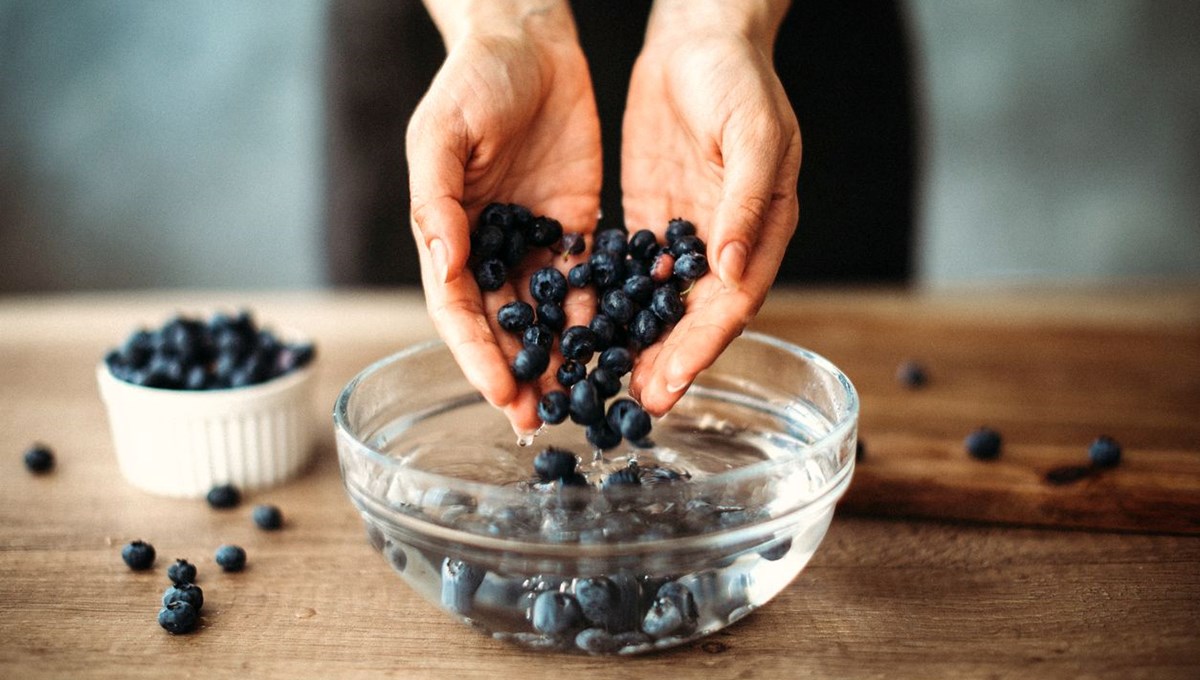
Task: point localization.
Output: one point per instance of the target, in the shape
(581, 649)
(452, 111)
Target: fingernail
(437, 252)
(676, 387)
(732, 263)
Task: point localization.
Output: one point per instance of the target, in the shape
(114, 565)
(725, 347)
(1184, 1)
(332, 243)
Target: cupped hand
(509, 118)
(709, 136)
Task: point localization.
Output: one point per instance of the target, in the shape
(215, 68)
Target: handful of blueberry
(639, 286)
(193, 354)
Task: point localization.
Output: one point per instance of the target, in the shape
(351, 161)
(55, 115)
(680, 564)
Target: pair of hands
(708, 135)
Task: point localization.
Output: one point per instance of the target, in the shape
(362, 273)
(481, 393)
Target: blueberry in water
(911, 375)
(580, 275)
(178, 618)
(530, 363)
(551, 464)
(678, 228)
(490, 274)
(548, 285)
(570, 372)
(267, 517)
(600, 435)
(1104, 452)
(555, 613)
(514, 249)
(552, 316)
(231, 558)
(515, 316)
(666, 304)
(181, 571)
(663, 618)
(184, 592)
(573, 480)
(554, 407)
(623, 477)
(537, 335)
(596, 641)
(487, 241)
(586, 406)
(598, 599)
(224, 496)
(691, 266)
(578, 343)
(629, 419)
(396, 556)
(617, 306)
(645, 328)
(39, 459)
(639, 288)
(983, 444)
(604, 330)
(643, 245)
(607, 383)
(616, 360)
(777, 550)
(607, 269)
(611, 241)
(683, 599)
(545, 231)
(138, 555)
(460, 580)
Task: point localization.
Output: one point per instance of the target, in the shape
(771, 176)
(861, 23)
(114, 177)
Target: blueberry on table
(181, 571)
(231, 558)
(643, 245)
(580, 275)
(616, 360)
(645, 328)
(578, 343)
(555, 613)
(460, 580)
(224, 496)
(1104, 452)
(490, 274)
(184, 592)
(178, 618)
(530, 363)
(617, 306)
(545, 231)
(607, 383)
(537, 335)
(554, 407)
(267, 517)
(586, 406)
(983, 444)
(677, 228)
(515, 316)
(548, 285)
(39, 459)
(552, 316)
(139, 555)
(691, 266)
(486, 241)
(666, 304)
(570, 372)
(551, 464)
(912, 375)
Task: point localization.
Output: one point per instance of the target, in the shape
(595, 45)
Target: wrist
(754, 21)
(539, 20)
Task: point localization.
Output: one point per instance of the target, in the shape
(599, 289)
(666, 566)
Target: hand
(511, 118)
(709, 136)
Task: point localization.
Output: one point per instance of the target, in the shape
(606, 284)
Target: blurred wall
(160, 143)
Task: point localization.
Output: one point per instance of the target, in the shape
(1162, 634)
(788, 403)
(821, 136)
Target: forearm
(454, 19)
(755, 20)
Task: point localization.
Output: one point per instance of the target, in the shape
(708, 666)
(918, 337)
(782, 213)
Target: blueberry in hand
(611, 241)
(617, 306)
(578, 343)
(267, 517)
(691, 266)
(545, 231)
(537, 335)
(554, 407)
(497, 214)
(551, 464)
(39, 459)
(231, 558)
(607, 269)
(512, 254)
(580, 275)
(645, 328)
(181, 571)
(490, 274)
(552, 316)
(687, 244)
(139, 555)
(570, 372)
(604, 329)
(586, 406)
(184, 592)
(983, 444)
(555, 613)
(666, 304)
(678, 228)
(486, 241)
(1104, 452)
(224, 496)
(548, 285)
(515, 316)
(616, 360)
(178, 618)
(643, 245)
(530, 363)
(639, 288)
(570, 244)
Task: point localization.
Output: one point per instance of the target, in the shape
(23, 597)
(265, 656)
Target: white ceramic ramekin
(182, 443)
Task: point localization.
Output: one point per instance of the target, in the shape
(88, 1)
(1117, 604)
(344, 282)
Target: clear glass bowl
(737, 490)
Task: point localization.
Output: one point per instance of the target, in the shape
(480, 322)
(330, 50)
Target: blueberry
(231, 558)
(181, 571)
(267, 517)
(663, 618)
(666, 304)
(554, 407)
(39, 459)
(691, 266)
(643, 245)
(605, 330)
(616, 360)
(196, 378)
(607, 383)
(777, 550)
(586, 406)
(601, 436)
(617, 306)
(530, 363)
(580, 275)
(555, 613)
(983, 444)
(551, 316)
(515, 316)
(570, 372)
(598, 599)
(548, 285)
(396, 556)
(460, 580)
(515, 247)
(578, 343)
(184, 592)
(860, 450)
(624, 477)
(687, 244)
(571, 244)
(911, 374)
(551, 464)
(596, 641)
(663, 267)
(487, 241)
(607, 269)
(574, 479)
(637, 268)
(522, 217)
(538, 335)
(178, 618)
(682, 606)
(139, 555)
(224, 496)
(639, 288)
(545, 231)
(490, 274)
(678, 228)
(1104, 452)
(612, 241)
(628, 418)
(497, 214)
(645, 328)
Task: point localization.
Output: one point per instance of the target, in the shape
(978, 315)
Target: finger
(438, 149)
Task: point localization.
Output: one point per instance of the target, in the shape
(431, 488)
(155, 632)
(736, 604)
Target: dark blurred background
(164, 143)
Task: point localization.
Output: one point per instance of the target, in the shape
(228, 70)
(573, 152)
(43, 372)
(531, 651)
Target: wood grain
(884, 597)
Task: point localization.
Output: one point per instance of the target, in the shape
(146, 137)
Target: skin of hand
(709, 135)
(510, 118)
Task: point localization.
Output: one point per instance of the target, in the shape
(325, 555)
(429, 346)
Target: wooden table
(894, 591)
